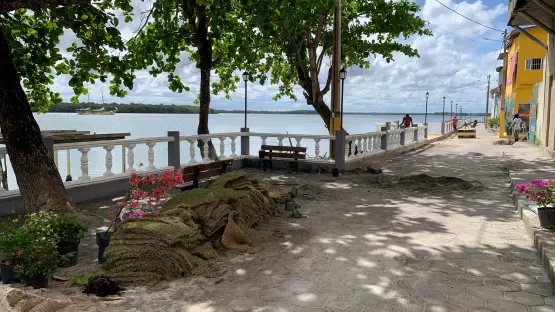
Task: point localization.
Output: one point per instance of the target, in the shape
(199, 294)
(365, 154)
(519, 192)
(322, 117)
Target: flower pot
(102, 240)
(335, 172)
(37, 282)
(547, 217)
(8, 274)
(71, 251)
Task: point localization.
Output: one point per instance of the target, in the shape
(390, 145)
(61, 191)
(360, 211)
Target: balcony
(535, 8)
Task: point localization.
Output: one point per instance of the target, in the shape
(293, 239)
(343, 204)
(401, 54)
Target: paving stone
(443, 307)
(538, 289)
(485, 292)
(550, 300)
(546, 308)
(466, 279)
(244, 304)
(309, 300)
(505, 306)
(542, 279)
(518, 277)
(501, 284)
(525, 298)
(428, 295)
(465, 301)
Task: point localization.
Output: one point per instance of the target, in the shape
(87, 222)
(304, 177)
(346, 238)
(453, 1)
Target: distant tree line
(134, 108)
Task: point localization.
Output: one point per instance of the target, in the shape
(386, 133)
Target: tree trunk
(37, 176)
(323, 110)
(204, 47)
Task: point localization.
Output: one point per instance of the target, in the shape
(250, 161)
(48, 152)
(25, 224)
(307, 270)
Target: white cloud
(451, 63)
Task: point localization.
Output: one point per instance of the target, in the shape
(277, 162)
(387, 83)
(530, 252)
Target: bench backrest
(284, 151)
(205, 171)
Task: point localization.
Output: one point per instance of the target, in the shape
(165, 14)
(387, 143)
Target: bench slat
(284, 148)
(209, 173)
(285, 155)
(210, 166)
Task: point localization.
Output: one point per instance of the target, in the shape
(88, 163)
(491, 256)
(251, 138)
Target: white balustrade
(192, 143)
(298, 139)
(317, 149)
(84, 163)
(280, 140)
(264, 140)
(233, 155)
(206, 150)
(130, 158)
(151, 156)
(109, 162)
(222, 148)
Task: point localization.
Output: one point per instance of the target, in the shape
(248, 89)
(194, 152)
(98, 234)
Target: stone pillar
(245, 143)
(384, 136)
(403, 137)
(416, 133)
(425, 131)
(340, 149)
(174, 150)
(49, 142)
(443, 128)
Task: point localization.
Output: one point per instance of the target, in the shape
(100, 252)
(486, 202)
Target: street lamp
(342, 76)
(426, 115)
(451, 116)
(457, 109)
(245, 79)
(443, 109)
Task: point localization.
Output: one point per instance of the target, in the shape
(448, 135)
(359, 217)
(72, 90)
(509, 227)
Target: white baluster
(84, 163)
(130, 158)
(151, 156)
(233, 155)
(222, 148)
(317, 149)
(264, 140)
(192, 143)
(1, 175)
(109, 162)
(298, 141)
(365, 145)
(56, 158)
(359, 147)
(206, 150)
(280, 139)
(347, 147)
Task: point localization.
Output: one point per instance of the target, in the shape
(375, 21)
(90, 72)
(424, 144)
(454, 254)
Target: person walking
(454, 121)
(407, 121)
(516, 124)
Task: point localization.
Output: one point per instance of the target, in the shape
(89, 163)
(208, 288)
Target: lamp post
(245, 79)
(457, 109)
(342, 76)
(451, 116)
(443, 110)
(426, 114)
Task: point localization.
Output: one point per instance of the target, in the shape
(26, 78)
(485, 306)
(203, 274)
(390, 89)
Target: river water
(155, 125)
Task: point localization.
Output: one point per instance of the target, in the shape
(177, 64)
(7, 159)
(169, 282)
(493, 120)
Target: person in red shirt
(407, 121)
(454, 121)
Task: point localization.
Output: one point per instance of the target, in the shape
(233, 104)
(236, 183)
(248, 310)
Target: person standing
(407, 121)
(454, 121)
(516, 124)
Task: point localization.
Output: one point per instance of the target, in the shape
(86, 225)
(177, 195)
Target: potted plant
(70, 231)
(10, 240)
(542, 192)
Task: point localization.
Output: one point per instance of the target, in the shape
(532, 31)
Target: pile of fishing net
(185, 233)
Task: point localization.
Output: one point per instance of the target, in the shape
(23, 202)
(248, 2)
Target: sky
(454, 63)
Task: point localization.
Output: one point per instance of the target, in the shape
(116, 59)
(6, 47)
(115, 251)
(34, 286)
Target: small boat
(100, 111)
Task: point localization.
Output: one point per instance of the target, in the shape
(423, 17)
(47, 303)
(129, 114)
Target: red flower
(110, 213)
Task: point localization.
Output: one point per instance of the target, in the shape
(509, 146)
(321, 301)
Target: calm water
(154, 125)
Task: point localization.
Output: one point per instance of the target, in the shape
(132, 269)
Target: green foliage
(33, 36)
(82, 280)
(129, 108)
(493, 122)
(294, 39)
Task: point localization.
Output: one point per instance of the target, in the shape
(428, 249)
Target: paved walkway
(365, 248)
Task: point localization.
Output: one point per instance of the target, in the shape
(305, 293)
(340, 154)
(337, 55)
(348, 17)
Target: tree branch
(328, 82)
(320, 29)
(321, 56)
(11, 5)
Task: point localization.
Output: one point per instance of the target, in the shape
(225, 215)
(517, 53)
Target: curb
(543, 240)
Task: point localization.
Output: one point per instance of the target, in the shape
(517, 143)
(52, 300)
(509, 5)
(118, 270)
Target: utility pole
(335, 122)
(487, 106)
(503, 86)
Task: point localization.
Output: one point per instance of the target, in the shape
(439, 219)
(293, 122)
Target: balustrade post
(245, 142)
(365, 144)
(109, 162)
(222, 148)
(298, 139)
(206, 150)
(403, 136)
(280, 139)
(2, 175)
(192, 143)
(151, 156)
(340, 147)
(233, 155)
(359, 146)
(385, 138)
(442, 128)
(174, 150)
(84, 164)
(131, 158)
(416, 133)
(263, 140)
(425, 131)
(317, 149)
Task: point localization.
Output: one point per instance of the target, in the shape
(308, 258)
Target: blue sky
(454, 63)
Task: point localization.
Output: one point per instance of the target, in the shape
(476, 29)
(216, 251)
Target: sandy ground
(368, 243)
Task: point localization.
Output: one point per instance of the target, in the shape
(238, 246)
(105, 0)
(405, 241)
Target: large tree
(30, 32)
(295, 40)
(202, 30)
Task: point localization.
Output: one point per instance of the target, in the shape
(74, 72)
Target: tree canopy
(33, 35)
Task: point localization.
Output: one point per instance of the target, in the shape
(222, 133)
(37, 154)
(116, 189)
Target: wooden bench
(193, 175)
(288, 154)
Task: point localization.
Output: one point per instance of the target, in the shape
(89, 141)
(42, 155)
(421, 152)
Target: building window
(534, 64)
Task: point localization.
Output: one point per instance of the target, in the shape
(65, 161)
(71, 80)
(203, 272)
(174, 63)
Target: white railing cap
(66, 146)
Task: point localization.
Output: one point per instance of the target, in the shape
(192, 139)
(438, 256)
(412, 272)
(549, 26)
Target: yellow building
(525, 63)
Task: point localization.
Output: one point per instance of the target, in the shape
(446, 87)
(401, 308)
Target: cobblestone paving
(386, 249)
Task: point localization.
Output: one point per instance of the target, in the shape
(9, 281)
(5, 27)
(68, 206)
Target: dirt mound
(426, 183)
(177, 241)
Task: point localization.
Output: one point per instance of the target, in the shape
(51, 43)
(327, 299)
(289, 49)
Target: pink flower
(110, 213)
(19, 252)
